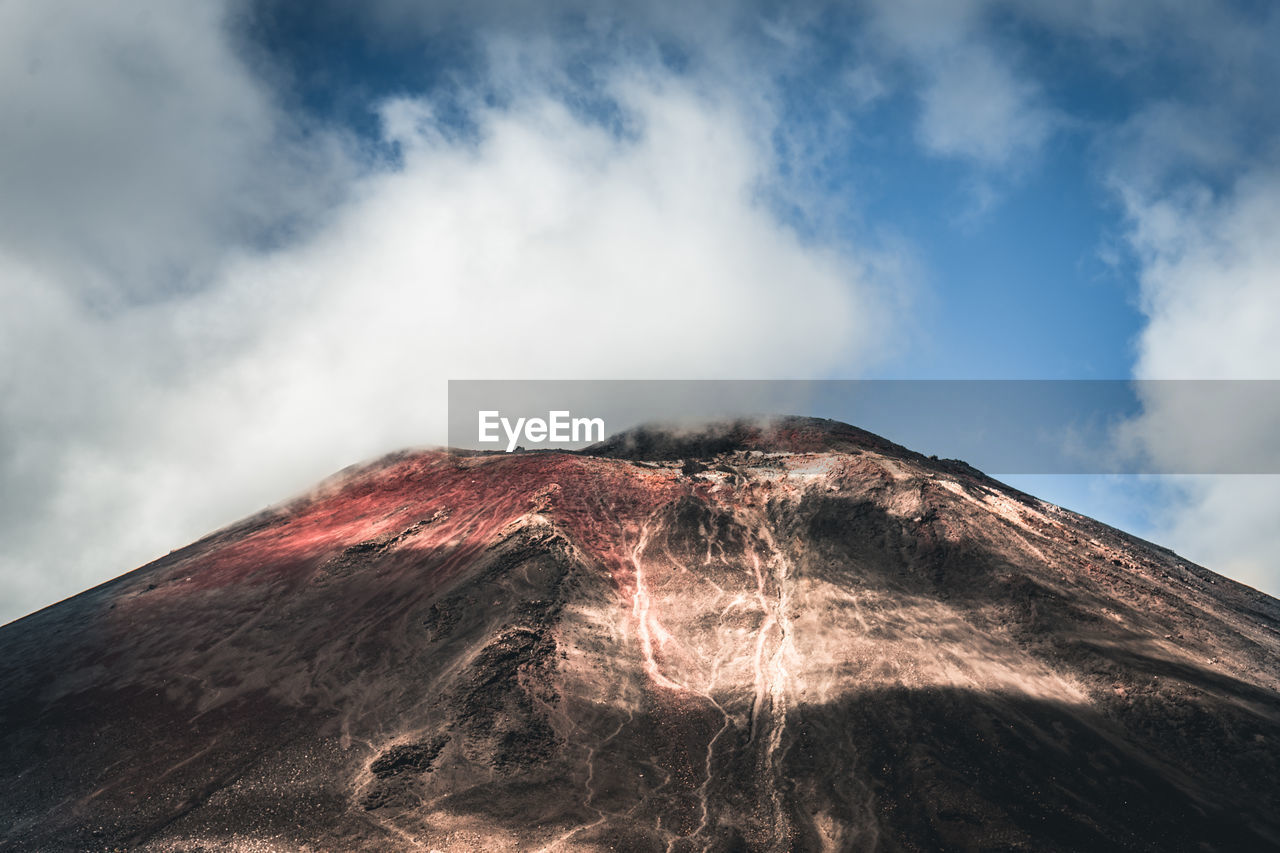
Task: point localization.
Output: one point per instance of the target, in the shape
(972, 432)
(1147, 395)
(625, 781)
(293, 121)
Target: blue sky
(245, 243)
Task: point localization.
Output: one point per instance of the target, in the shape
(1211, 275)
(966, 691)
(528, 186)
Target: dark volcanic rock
(407, 757)
(790, 635)
(395, 769)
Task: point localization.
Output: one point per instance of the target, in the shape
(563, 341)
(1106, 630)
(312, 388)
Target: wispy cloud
(975, 104)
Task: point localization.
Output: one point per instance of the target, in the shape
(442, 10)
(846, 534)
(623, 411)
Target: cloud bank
(168, 369)
(1211, 290)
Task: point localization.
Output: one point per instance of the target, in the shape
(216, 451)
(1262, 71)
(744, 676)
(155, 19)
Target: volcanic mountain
(754, 637)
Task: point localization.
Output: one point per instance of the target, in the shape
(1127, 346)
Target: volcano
(791, 635)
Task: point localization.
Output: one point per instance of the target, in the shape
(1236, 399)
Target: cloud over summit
(536, 240)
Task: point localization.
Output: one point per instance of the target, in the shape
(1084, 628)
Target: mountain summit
(758, 636)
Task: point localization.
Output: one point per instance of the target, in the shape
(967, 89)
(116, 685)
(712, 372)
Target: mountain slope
(795, 636)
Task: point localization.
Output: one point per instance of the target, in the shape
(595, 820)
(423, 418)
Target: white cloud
(546, 246)
(1210, 281)
(1211, 293)
(136, 146)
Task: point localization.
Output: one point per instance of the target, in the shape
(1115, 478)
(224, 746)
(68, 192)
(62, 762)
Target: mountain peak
(773, 434)
(833, 643)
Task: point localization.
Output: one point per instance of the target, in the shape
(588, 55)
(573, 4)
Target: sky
(244, 244)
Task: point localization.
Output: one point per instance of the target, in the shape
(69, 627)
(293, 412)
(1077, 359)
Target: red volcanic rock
(790, 636)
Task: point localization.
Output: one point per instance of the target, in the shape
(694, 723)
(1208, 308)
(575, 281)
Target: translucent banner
(999, 426)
